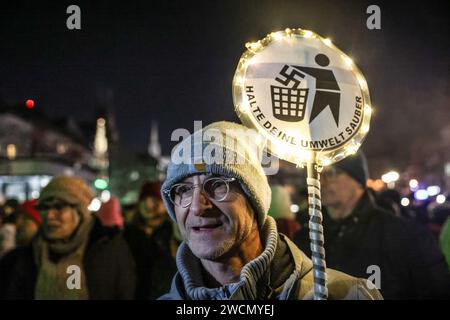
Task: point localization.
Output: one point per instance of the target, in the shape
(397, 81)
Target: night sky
(173, 61)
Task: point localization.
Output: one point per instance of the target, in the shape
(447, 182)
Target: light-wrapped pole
(316, 232)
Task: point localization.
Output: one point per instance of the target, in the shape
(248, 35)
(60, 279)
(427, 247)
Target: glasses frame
(43, 209)
(196, 185)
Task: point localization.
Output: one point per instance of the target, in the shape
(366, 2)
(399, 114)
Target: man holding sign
(232, 249)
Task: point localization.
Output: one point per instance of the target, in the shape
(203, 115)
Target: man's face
(60, 219)
(338, 188)
(213, 228)
(153, 211)
(26, 229)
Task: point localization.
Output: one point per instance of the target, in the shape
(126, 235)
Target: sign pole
(311, 104)
(316, 231)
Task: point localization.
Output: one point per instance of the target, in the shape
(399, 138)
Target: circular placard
(304, 96)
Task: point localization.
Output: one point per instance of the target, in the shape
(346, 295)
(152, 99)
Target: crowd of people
(220, 231)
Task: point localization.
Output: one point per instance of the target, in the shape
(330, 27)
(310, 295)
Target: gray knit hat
(222, 148)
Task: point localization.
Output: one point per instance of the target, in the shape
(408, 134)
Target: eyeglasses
(331, 173)
(57, 205)
(214, 188)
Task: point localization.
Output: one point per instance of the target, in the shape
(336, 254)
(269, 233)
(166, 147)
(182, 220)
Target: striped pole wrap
(316, 232)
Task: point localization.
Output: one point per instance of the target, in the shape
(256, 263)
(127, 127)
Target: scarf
(54, 278)
(254, 278)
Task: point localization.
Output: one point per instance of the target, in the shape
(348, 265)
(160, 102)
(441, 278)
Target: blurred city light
(404, 202)
(134, 175)
(11, 151)
(413, 184)
(440, 199)
(105, 196)
(433, 190)
(391, 176)
(101, 184)
(44, 181)
(295, 208)
(29, 104)
(421, 194)
(94, 205)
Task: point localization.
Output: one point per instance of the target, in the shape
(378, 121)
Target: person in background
(8, 227)
(438, 215)
(280, 210)
(28, 222)
(390, 200)
(444, 240)
(71, 242)
(360, 236)
(110, 214)
(150, 238)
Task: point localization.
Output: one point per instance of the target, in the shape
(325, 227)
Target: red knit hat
(110, 213)
(28, 208)
(150, 189)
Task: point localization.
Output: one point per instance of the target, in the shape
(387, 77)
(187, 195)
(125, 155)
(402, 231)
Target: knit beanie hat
(71, 189)
(150, 189)
(28, 208)
(222, 148)
(356, 167)
(110, 214)
(280, 207)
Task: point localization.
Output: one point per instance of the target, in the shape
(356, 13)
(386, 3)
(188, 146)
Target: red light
(29, 104)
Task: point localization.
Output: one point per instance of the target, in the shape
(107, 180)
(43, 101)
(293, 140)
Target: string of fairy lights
(296, 154)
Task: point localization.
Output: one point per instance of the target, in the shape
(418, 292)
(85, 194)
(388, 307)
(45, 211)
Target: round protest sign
(304, 95)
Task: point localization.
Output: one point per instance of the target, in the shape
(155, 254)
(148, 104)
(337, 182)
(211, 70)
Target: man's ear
(252, 213)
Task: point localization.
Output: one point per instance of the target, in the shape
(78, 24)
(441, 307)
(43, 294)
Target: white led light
(348, 61)
(327, 41)
(307, 34)
(277, 36)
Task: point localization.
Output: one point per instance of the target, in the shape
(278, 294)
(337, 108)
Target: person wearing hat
(110, 214)
(28, 222)
(361, 237)
(72, 257)
(217, 193)
(149, 236)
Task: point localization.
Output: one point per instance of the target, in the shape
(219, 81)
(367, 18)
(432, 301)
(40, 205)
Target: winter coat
(108, 264)
(410, 263)
(289, 276)
(155, 265)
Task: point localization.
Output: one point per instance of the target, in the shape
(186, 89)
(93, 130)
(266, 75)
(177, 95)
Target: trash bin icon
(288, 104)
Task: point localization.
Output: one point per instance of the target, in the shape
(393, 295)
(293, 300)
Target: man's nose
(200, 203)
